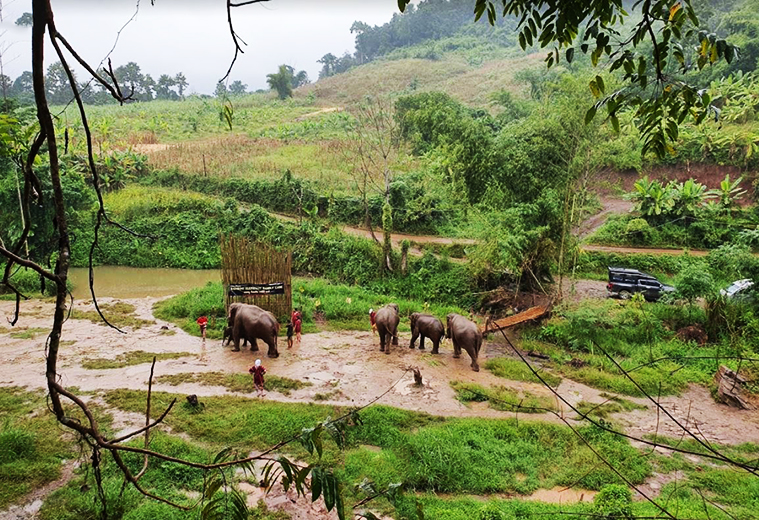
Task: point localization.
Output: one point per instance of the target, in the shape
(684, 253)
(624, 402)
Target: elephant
(387, 320)
(426, 326)
(228, 338)
(465, 335)
(251, 322)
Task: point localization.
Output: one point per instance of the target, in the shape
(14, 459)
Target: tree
(22, 88)
(238, 88)
(661, 100)
(374, 149)
(300, 79)
(328, 62)
(282, 81)
(58, 87)
(163, 87)
(25, 20)
(221, 90)
(181, 83)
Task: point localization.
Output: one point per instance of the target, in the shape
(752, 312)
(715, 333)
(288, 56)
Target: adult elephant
(387, 320)
(252, 322)
(465, 335)
(426, 326)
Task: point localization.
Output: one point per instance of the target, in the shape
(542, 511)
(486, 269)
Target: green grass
(32, 445)
(503, 398)
(119, 314)
(136, 357)
(515, 370)
(640, 337)
(612, 405)
(428, 453)
(29, 333)
(233, 382)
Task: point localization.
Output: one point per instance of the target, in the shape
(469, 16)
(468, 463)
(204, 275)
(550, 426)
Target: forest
(441, 167)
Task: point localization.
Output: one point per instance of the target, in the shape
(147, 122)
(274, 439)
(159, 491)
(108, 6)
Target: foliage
(651, 198)
(614, 501)
(285, 80)
(694, 282)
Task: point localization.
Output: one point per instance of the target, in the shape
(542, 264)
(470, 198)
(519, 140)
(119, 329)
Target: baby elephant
(465, 335)
(426, 326)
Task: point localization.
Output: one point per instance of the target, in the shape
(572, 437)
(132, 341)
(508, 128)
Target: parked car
(623, 283)
(739, 290)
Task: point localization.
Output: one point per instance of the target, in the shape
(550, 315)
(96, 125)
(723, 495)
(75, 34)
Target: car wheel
(625, 295)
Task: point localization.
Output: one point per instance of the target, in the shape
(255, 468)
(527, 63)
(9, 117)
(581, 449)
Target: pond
(135, 282)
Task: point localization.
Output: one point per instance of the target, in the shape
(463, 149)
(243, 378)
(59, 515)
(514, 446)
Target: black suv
(624, 282)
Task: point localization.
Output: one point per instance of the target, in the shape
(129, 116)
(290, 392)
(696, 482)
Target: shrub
(614, 501)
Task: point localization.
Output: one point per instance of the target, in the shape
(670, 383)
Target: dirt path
(610, 206)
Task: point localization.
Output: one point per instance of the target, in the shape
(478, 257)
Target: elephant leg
(474, 364)
(414, 335)
(456, 350)
(395, 338)
(236, 339)
(421, 342)
(435, 345)
(254, 345)
(272, 353)
(382, 340)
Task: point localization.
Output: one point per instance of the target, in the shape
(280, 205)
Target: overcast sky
(192, 36)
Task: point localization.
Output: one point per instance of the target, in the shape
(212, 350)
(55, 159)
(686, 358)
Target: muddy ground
(346, 367)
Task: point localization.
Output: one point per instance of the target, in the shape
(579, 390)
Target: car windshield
(739, 286)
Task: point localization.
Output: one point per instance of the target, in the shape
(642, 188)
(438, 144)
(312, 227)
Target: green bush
(614, 501)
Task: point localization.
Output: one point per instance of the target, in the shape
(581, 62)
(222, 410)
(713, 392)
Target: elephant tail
(478, 345)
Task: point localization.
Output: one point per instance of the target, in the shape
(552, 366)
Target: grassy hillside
(468, 80)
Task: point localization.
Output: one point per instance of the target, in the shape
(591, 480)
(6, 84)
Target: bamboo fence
(245, 261)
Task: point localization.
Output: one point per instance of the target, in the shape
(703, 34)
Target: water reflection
(134, 282)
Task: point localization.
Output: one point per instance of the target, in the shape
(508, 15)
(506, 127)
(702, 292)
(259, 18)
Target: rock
(730, 388)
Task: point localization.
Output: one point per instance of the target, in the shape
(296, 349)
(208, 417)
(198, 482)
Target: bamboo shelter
(255, 272)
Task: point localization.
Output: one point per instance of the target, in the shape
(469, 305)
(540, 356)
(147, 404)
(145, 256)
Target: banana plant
(688, 197)
(728, 194)
(652, 198)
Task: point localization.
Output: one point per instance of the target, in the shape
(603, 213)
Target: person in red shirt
(203, 323)
(258, 371)
(296, 320)
(373, 320)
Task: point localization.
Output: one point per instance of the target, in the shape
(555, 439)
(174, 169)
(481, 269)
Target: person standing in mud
(258, 371)
(290, 334)
(297, 323)
(202, 323)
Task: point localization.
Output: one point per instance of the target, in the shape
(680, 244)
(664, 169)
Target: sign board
(255, 289)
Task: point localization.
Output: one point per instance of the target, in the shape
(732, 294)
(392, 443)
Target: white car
(737, 288)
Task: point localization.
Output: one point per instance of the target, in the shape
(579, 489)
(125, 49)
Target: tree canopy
(653, 81)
